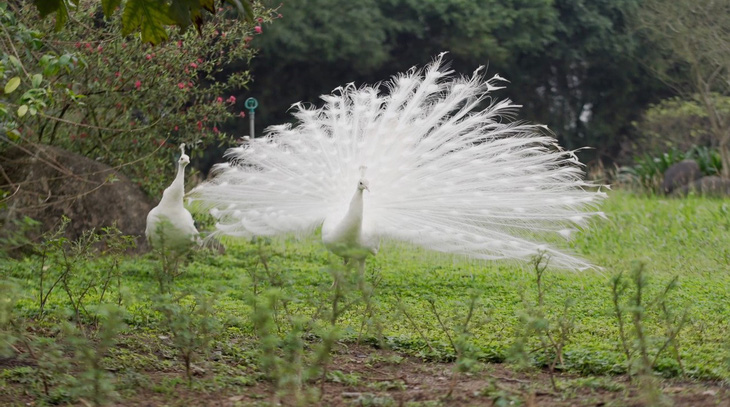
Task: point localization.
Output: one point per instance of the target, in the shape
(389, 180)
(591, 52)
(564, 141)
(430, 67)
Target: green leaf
(208, 5)
(183, 11)
(13, 134)
(37, 80)
(109, 6)
(12, 84)
(14, 62)
(46, 7)
(148, 16)
(60, 7)
(22, 110)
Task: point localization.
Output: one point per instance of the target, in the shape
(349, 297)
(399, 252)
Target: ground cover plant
(282, 321)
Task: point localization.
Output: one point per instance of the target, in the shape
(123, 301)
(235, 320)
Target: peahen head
(184, 159)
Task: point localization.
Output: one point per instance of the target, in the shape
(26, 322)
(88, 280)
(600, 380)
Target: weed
(553, 333)
(636, 343)
(191, 323)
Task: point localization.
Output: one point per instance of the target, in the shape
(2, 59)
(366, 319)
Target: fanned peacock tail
(447, 171)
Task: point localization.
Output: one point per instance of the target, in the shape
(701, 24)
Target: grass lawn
(264, 321)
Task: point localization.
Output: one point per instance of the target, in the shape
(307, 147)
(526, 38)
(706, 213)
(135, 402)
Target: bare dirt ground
(385, 378)
(364, 376)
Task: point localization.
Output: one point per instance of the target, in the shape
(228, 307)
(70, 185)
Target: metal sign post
(251, 104)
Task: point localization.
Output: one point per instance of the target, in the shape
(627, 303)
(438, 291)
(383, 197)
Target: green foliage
(648, 171)
(191, 322)
(148, 17)
(677, 124)
(17, 235)
(62, 264)
(95, 383)
(116, 99)
(266, 311)
(636, 343)
(570, 62)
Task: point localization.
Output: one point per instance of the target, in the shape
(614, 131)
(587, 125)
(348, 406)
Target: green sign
(251, 104)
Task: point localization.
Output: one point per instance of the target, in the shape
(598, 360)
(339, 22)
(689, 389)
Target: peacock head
(184, 159)
(363, 184)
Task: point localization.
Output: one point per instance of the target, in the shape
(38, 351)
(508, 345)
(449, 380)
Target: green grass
(688, 238)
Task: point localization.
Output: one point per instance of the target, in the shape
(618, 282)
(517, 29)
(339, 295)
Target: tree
(149, 17)
(570, 62)
(118, 100)
(692, 43)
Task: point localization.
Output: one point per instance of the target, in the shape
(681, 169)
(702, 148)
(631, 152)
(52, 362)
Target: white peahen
(169, 225)
(433, 162)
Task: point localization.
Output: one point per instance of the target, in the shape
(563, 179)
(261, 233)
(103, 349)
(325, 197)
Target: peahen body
(433, 162)
(169, 225)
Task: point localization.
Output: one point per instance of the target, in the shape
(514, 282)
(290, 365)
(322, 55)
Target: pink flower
(215, 130)
(175, 128)
(181, 85)
(260, 20)
(242, 114)
(200, 60)
(200, 125)
(219, 99)
(77, 45)
(148, 57)
(87, 45)
(138, 85)
(257, 29)
(279, 15)
(223, 35)
(193, 65)
(99, 48)
(179, 44)
(117, 74)
(231, 99)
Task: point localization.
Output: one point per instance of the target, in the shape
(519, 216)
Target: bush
(116, 99)
(648, 170)
(676, 125)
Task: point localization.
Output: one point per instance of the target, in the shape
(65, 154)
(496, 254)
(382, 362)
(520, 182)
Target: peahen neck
(174, 193)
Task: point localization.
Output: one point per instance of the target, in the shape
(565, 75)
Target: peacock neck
(174, 193)
(354, 213)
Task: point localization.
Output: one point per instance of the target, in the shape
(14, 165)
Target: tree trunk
(725, 159)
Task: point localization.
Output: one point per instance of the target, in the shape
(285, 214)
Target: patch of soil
(363, 376)
(386, 378)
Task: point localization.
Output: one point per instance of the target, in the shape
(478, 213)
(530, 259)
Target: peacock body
(170, 225)
(433, 162)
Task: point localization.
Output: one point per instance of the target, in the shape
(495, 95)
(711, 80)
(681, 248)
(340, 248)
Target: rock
(48, 182)
(680, 174)
(712, 185)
